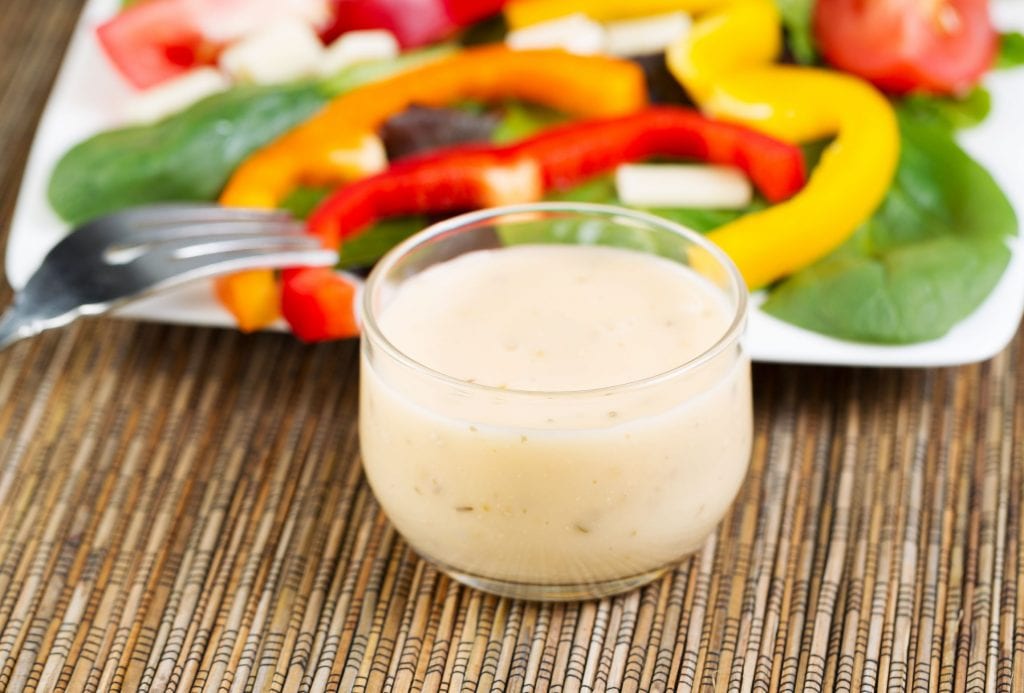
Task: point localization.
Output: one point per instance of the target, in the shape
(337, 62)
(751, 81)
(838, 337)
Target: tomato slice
(154, 41)
(941, 46)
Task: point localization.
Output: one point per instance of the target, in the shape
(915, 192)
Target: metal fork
(122, 257)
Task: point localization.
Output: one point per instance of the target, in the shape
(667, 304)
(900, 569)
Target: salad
(814, 142)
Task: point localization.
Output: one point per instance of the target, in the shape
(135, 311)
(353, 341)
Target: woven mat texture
(183, 509)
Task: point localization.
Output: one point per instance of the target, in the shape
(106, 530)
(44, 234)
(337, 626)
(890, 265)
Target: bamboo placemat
(183, 509)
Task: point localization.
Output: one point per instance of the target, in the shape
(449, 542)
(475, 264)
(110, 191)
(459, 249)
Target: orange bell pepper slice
(340, 144)
(252, 296)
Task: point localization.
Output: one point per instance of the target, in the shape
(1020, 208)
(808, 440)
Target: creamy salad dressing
(531, 479)
(555, 317)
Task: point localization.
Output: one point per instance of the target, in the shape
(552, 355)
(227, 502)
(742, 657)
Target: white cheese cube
(358, 47)
(683, 185)
(175, 94)
(367, 158)
(646, 34)
(575, 33)
(282, 52)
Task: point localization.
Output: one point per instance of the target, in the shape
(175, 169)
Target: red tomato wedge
(154, 41)
(940, 46)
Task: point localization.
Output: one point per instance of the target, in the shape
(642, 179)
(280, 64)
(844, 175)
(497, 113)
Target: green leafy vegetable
(370, 246)
(521, 120)
(797, 18)
(1011, 50)
(601, 190)
(188, 156)
(301, 201)
(924, 261)
(964, 112)
(191, 155)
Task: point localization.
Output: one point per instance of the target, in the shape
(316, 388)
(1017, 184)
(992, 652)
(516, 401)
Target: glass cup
(566, 494)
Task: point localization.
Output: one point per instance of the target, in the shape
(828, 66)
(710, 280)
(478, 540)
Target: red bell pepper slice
(470, 177)
(319, 303)
(572, 153)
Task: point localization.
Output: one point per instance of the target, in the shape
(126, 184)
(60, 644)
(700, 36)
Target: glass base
(553, 592)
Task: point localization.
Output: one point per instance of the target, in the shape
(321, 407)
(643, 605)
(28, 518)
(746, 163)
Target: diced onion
(683, 185)
(358, 47)
(647, 34)
(574, 33)
(286, 51)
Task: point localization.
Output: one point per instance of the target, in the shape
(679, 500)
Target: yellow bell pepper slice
(521, 13)
(725, 64)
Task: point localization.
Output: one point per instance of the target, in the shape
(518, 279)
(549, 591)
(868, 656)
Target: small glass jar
(555, 495)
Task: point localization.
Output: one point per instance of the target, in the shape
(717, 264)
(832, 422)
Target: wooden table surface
(183, 509)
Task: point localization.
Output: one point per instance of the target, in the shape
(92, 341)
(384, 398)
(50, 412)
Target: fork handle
(14, 327)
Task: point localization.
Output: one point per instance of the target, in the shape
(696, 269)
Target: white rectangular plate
(89, 97)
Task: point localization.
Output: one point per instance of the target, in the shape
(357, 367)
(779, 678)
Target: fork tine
(186, 213)
(136, 224)
(189, 248)
(194, 232)
(197, 267)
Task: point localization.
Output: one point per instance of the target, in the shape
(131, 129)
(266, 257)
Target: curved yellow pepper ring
(520, 13)
(725, 64)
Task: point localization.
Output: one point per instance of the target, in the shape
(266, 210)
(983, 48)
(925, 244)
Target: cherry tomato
(940, 46)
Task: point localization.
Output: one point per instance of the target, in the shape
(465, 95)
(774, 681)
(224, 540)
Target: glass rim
(372, 331)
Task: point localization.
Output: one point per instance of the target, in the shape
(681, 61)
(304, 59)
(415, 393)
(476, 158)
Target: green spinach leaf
(1011, 50)
(301, 201)
(366, 248)
(189, 156)
(797, 18)
(520, 120)
(926, 259)
(964, 112)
